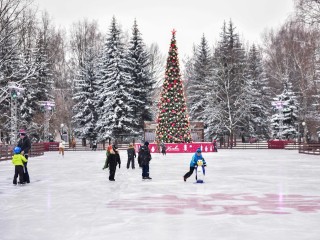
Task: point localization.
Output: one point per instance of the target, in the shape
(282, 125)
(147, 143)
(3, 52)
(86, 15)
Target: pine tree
(43, 75)
(173, 123)
(197, 84)
(84, 110)
(258, 96)
(227, 105)
(28, 104)
(284, 119)
(115, 115)
(143, 84)
(38, 87)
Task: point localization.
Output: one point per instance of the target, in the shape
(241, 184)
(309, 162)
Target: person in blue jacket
(193, 163)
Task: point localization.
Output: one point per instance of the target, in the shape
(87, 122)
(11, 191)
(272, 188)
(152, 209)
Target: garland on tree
(173, 120)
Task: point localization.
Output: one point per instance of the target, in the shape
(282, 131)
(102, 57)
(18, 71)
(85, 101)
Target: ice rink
(247, 195)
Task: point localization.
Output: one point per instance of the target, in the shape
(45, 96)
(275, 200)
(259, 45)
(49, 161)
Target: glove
(119, 165)
(205, 165)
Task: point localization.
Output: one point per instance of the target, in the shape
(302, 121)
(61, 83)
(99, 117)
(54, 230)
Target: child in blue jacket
(197, 156)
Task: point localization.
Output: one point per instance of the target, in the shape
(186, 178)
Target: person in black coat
(131, 155)
(163, 148)
(112, 161)
(144, 158)
(25, 144)
(94, 145)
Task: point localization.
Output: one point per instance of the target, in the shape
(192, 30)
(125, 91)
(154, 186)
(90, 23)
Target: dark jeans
(112, 172)
(145, 170)
(132, 162)
(26, 177)
(188, 174)
(18, 170)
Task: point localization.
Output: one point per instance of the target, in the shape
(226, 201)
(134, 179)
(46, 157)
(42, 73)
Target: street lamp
(61, 130)
(48, 106)
(15, 92)
(304, 131)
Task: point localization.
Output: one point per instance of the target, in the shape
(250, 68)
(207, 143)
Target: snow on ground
(247, 195)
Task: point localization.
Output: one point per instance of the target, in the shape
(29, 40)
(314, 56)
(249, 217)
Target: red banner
(278, 144)
(180, 147)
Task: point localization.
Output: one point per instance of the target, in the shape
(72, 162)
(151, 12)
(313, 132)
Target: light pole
(304, 131)
(15, 92)
(48, 106)
(61, 130)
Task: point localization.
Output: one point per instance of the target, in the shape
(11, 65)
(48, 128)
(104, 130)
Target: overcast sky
(191, 18)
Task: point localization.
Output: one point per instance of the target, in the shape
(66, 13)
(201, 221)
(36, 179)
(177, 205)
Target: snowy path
(248, 195)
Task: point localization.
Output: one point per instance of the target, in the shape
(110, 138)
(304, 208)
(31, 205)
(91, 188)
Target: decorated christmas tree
(173, 120)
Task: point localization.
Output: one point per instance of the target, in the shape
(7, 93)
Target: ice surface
(247, 195)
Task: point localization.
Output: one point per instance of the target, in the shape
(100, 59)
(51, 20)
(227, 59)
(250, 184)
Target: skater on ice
(194, 163)
(112, 161)
(25, 144)
(18, 161)
(61, 147)
(94, 145)
(131, 156)
(163, 148)
(214, 144)
(108, 149)
(144, 159)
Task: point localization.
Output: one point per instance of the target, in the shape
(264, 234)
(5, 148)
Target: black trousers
(112, 172)
(132, 162)
(18, 171)
(26, 177)
(188, 174)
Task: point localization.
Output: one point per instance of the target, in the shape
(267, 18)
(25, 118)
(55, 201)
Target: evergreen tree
(141, 76)
(197, 84)
(284, 119)
(258, 96)
(28, 104)
(227, 105)
(114, 95)
(84, 110)
(43, 75)
(173, 123)
(38, 87)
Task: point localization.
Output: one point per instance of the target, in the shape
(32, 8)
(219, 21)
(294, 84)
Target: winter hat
(199, 150)
(146, 143)
(22, 131)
